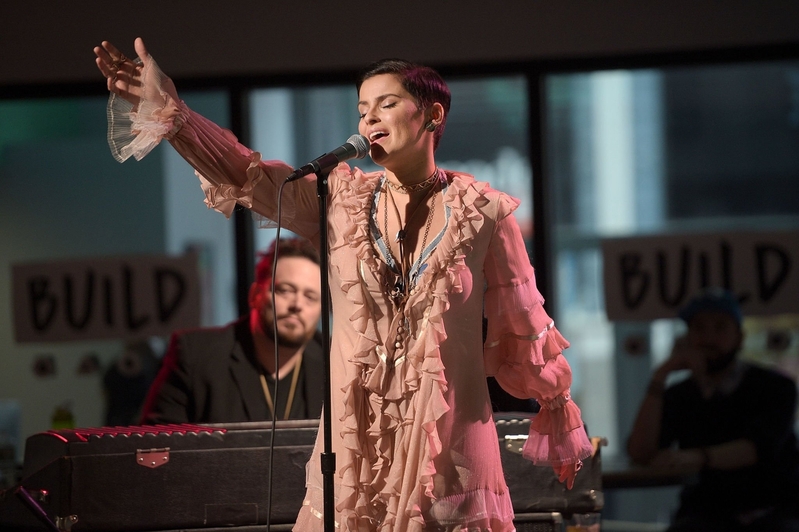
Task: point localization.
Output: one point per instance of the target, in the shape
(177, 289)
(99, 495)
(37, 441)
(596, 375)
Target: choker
(416, 187)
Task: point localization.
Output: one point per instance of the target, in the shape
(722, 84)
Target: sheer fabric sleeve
(524, 350)
(229, 172)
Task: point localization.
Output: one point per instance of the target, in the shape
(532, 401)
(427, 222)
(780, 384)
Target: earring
(430, 126)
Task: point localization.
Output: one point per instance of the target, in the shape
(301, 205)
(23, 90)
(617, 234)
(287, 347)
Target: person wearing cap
(729, 427)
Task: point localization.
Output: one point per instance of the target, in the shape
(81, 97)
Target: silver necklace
(402, 284)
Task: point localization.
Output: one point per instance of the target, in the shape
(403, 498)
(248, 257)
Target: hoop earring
(430, 126)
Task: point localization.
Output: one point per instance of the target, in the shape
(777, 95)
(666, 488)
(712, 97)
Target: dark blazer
(210, 375)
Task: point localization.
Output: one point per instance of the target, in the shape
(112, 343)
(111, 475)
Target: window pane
(657, 151)
(67, 198)
(189, 224)
(62, 189)
(487, 136)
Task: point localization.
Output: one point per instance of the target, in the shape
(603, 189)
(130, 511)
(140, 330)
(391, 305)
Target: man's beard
(717, 365)
(283, 340)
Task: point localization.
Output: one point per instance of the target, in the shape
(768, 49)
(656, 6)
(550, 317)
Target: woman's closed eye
(384, 105)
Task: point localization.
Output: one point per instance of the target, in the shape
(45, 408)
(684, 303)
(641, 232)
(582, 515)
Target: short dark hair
(421, 82)
(286, 247)
(713, 299)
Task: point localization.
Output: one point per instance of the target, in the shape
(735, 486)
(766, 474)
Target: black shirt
(761, 408)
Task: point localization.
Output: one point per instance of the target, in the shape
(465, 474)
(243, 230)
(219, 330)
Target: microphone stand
(328, 457)
(36, 509)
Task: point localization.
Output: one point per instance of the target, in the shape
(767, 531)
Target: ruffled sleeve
(228, 171)
(133, 131)
(523, 348)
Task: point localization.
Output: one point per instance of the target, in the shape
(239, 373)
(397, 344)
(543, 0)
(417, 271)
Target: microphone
(356, 147)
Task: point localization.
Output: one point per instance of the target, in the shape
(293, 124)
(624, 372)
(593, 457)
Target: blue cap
(712, 300)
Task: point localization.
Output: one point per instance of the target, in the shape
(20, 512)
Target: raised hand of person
(144, 104)
(133, 80)
(685, 355)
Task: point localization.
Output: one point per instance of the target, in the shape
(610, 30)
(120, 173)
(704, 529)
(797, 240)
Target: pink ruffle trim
(134, 132)
(525, 352)
(399, 401)
(475, 510)
(478, 510)
(224, 197)
(557, 437)
(521, 296)
(523, 336)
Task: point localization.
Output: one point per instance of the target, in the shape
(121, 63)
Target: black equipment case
(536, 488)
(159, 478)
(186, 477)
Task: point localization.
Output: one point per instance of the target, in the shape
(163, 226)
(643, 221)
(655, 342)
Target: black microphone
(356, 147)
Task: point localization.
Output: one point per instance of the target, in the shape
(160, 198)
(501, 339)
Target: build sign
(107, 298)
(652, 277)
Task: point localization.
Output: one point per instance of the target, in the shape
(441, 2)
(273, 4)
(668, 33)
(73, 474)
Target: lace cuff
(135, 131)
(557, 435)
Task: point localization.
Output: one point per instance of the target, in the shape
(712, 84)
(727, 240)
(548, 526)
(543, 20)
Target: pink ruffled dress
(415, 443)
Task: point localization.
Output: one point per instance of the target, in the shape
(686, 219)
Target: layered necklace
(401, 289)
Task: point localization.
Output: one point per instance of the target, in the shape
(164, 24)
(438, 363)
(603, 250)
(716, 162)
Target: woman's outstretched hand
(144, 104)
(123, 75)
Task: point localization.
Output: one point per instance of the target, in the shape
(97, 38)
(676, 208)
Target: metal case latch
(515, 442)
(152, 458)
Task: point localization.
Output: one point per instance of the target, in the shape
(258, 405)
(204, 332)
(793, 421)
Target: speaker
(539, 522)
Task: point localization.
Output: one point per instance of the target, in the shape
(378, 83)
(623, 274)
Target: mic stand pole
(328, 457)
(36, 509)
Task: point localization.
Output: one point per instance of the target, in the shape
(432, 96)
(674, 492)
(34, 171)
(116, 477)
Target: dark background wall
(49, 41)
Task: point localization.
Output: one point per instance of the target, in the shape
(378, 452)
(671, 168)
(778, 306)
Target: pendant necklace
(292, 391)
(401, 288)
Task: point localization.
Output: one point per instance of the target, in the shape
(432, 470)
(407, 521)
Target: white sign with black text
(652, 277)
(105, 298)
